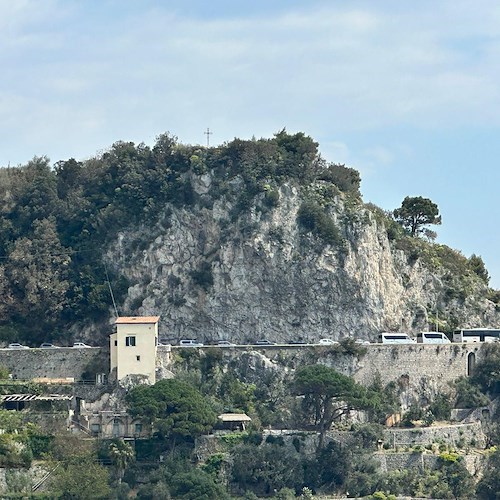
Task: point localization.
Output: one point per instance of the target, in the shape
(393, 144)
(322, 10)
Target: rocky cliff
(214, 271)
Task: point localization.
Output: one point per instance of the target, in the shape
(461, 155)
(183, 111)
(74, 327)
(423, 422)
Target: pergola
(18, 401)
(234, 420)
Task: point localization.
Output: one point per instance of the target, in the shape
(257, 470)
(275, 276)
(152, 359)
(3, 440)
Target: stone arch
(115, 427)
(471, 363)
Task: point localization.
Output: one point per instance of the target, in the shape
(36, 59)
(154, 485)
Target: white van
(190, 343)
(432, 338)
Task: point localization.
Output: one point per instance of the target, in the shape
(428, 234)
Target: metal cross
(208, 134)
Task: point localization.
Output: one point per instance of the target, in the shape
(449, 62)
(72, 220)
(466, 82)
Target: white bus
(395, 338)
(476, 335)
(432, 338)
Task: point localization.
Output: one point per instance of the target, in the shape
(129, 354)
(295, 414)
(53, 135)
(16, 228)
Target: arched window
(116, 428)
(471, 363)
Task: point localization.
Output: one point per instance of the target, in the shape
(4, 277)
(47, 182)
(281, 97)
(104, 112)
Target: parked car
(80, 345)
(48, 345)
(327, 342)
(265, 342)
(190, 343)
(17, 345)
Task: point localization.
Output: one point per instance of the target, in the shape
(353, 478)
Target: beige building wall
(133, 346)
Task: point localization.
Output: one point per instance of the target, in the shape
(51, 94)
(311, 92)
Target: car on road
(327, 342)
(265, 342)
(48, 345)
(190, 343)
(361, 341)
(80, 345)
(17, 345)
(225, 343)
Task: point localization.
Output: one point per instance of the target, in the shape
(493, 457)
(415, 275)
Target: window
(138, 428)
(95, 428)
(116, 342)
(130, 341)
(138, 358)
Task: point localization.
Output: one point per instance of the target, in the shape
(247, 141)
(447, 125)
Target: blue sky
(405, 92)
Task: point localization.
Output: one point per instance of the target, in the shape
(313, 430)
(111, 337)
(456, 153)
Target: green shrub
(313, 218)
(441, 407)
(272, 198)
(278, 440)
(203, 276)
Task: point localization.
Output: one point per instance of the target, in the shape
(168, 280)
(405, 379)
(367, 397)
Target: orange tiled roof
(137, 319)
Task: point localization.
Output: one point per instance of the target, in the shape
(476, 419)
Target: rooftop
(137, 319)
(35, 397)
(234, 417)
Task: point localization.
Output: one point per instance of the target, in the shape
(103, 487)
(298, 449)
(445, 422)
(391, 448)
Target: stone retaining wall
(26, 364)
(420, 370)
(459, 435)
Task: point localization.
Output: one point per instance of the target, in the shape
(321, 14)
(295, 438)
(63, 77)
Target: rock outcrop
(213, 272)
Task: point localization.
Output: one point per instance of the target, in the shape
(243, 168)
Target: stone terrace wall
(393, 362)
(390, 462)
(64, 362)
(417, 368)
(465, 434)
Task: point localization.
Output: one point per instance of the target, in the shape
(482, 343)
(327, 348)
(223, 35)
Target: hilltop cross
(208, 134)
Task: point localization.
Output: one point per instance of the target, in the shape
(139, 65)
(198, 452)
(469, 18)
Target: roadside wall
(64, 362)
(417, 369)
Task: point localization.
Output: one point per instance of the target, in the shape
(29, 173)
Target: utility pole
(208, 134)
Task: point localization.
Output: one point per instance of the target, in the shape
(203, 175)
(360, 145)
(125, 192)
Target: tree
(489, 486)
(34, 195)
(468, 394)
(416, 212)
(381, 401)
(456, 476)
(266, 469)
(196, 485)
(81, 478)
(477, 265)
(329, 468)
(176, 409)
(327, 395)
(121, 454)
(37, 273)
(487, 372)
(346, 179)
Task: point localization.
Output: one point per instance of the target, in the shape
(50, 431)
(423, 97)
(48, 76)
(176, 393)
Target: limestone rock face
(212, 272)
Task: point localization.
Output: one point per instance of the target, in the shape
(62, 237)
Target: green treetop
(417, 212)
(176, 409)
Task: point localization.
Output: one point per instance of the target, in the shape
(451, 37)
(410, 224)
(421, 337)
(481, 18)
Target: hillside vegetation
(58, 224)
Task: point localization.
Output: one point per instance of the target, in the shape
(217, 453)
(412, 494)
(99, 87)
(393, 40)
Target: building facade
(133, 347)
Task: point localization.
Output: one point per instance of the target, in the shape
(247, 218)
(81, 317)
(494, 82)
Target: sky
(405, 92)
